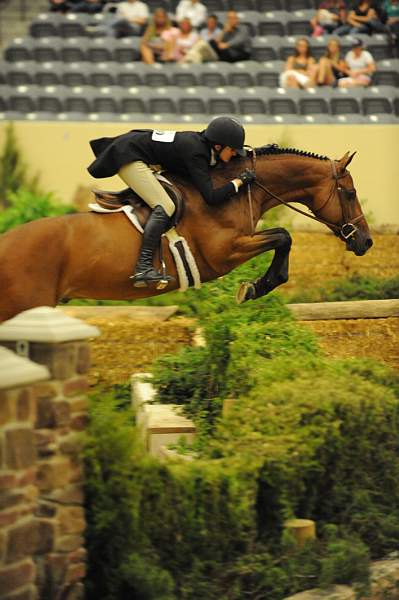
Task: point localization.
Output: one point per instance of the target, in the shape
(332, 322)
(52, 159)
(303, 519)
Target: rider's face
(226, 154)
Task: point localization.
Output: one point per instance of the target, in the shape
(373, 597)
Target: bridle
(346, 197)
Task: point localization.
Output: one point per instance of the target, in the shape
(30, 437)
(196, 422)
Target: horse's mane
(271, 149)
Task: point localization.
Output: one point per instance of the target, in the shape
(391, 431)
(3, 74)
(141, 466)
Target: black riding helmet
(226, 131)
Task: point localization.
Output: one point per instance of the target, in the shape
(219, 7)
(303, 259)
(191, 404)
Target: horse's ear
(346, 159)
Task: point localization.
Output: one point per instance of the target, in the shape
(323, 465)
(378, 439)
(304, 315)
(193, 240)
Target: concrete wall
(60, 153)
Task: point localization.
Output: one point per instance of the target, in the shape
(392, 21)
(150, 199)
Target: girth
(114, 200)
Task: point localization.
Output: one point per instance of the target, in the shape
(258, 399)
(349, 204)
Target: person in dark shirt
(362, 18)
(136, 155)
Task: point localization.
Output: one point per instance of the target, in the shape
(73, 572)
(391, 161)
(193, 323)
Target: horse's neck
(293, 178)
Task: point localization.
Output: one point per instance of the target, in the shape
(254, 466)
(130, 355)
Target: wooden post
(302, 530)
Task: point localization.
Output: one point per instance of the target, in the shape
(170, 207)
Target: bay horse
(91, 255)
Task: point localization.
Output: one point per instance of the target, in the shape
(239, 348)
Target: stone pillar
(42, 553)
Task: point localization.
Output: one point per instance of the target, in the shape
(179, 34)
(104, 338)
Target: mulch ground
(126, 346)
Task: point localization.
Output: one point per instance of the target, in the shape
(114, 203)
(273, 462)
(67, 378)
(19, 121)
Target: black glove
(247, 176)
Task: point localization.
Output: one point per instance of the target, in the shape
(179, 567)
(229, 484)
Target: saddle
(114, 201)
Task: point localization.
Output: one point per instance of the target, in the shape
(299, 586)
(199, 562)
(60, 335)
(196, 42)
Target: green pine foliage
(355, 287)
(13, 170)
(25, 206)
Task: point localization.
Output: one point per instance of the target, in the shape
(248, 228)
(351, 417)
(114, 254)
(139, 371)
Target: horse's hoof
(245, 292)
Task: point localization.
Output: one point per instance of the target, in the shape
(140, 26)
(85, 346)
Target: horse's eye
(351, 194)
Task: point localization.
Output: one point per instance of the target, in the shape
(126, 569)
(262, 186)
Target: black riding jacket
(189, 155)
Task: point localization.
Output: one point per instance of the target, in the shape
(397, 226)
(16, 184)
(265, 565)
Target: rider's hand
(247, 176)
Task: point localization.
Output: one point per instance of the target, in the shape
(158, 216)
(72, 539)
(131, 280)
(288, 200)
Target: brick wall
(42, 523)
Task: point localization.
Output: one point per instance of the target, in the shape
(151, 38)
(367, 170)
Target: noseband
(346, 196)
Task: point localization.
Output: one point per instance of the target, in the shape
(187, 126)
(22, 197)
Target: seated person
(363, 18)
(179, 41)
(212, 29)
(330, 15)
(233, 44)
(154, 43)
(130, 18)
(90, 7)
(61, 6)
(359, 65)
(332, 65)
(300, 68)
(193, 10)
(391, 8)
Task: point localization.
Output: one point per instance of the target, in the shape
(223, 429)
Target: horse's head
(342, 211)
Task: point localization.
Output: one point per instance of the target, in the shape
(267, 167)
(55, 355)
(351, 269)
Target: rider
(136, 155)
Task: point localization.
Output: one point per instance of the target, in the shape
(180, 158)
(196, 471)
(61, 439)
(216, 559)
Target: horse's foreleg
(273, 239)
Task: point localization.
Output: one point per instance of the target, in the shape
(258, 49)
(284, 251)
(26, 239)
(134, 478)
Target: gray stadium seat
(396, 106)
(23, 99)
(102, 75)
(250, 18)
(126, 50)
(222, 100)
(134, 100)
(240, 79)
(106, 100)
(268, 73)
(155, 77)
(293, 5)
(299, 23)
(46, 49)
(313, 105)
(387, 73)
(212, 78)
(193, 101)
(265, 48)
(376, 105)
(269, 5)
(390, 119)
(78, 99)
(72, 25)
(19, 50)
(18, 73)
(73, 50)
(50, 99)
(100, 50)
(242, 5)
(47, 74)
(281, 105)
(45, 25)
(251, 106)
(344, 104)
(379, 47)
(272, 23)
(128, 74)
(215, 5)
(75, 74)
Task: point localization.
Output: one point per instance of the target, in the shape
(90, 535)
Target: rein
(346, 230)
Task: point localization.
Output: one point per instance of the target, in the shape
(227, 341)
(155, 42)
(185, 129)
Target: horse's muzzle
(359, 244)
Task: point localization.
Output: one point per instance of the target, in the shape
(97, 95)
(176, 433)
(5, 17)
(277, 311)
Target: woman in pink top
(179, 41)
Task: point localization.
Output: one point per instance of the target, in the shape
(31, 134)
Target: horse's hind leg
(280, 240)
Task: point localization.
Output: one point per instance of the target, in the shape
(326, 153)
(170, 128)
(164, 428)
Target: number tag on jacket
(163, 136)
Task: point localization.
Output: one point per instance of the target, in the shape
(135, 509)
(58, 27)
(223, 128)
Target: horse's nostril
(369, 242)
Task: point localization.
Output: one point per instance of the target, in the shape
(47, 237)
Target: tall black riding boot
(145, 273)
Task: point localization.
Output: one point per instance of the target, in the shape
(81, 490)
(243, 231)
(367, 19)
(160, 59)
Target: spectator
(90, 7)
(363, 18)
(233, 44)
(300, 68)
(391, 8)
(193, 10)
(359, 66)
(212, 29)
(61, 6)
(179, 41)
(331, 66)
(154, 43)
(330, 15)
(130, 18)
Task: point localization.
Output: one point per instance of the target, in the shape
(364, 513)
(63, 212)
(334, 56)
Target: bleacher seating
(68, 69)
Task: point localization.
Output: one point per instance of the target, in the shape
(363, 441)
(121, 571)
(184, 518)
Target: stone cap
(17, 371)
(45, 324)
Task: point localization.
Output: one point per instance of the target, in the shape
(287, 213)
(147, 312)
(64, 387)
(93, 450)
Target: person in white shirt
(130, 18)
(193, 10)
(360, 66)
